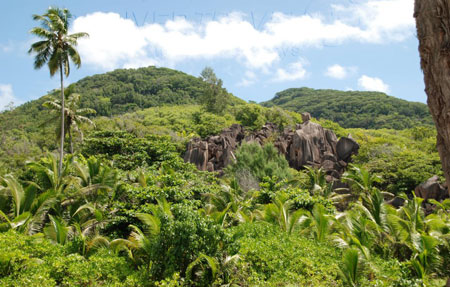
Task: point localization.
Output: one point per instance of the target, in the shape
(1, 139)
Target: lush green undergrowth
(35, 261)
(126, 210)
(266, 257)
(136, 215)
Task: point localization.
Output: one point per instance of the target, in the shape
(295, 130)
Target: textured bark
(433, 32)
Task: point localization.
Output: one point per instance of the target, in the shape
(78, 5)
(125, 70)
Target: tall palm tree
(73, 116)
(55, 50)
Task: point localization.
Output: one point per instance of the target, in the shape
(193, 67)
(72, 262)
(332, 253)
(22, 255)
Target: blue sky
(256, 47)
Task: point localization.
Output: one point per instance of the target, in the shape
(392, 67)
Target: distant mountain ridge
(354, 109)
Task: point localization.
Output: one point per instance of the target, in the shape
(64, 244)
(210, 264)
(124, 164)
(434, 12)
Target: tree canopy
(352, 109)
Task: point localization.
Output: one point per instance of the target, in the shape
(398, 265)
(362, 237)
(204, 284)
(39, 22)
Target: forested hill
(353, 109)
(118, 92)
(127, 90)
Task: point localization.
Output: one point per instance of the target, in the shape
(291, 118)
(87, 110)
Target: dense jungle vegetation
(354, 109)
(128, 211)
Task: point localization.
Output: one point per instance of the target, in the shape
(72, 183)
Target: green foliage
(302, 199)
(182, 224)
(369, 110)
(25, 134)
(260, 162)
(271, 188)
(57, 46)
(402, 159)
(281, 213)
(350, 270)
(130, 212)
(273, 258)
(16, 147)
(128, 151)
(255, 116)
(214, 99)
(175, 181)
(207, 124)
(180, 122)
(74, 117)
(130, 90)
(34, 261)
(251, 115)
(183, 239)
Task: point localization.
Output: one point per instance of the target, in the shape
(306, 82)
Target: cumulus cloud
(6, 96)
(117, 42)
(381, 20)
(337, 72)
(295, 71)
(372, 84)
(340, 72)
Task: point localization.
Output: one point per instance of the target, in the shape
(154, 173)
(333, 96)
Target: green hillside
(353, 109)
(118, 92)
(151, 177)
(26, 131)
(128, 211)
(127, 90)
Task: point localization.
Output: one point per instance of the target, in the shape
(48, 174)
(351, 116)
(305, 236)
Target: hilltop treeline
(352, 109)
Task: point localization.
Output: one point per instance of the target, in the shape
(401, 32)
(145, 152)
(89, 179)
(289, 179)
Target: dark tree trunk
(61, 147)
(433, 32)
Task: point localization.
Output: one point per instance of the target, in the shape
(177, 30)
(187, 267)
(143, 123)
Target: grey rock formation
(346, 147)
(309, 144)
(396, 202)
(431, 189)
(197, 153)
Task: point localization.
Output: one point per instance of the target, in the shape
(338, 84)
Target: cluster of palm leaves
(65, 208)
(74, 116)
(368, 227)
(72, 209)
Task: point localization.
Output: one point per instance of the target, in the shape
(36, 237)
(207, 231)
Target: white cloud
(6, 96)
(117, 42)
(295, 71)
(381, 20)
(336, 71)
(340, 72)
(248, 80)
(372, 84)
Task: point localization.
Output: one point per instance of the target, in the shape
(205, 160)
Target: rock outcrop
(431, 189)
(309, 144)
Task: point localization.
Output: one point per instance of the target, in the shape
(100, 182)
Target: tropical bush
(260, 162)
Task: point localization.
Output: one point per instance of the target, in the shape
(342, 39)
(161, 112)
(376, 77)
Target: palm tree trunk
(433, 32)
(61, 146)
